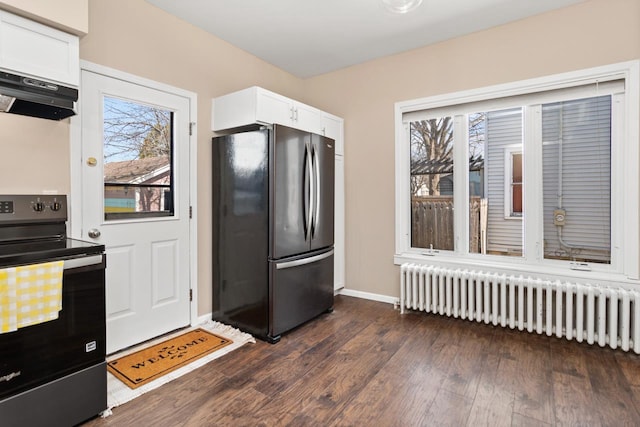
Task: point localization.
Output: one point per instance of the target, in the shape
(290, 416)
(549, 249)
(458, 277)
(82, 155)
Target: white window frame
(508, 181)
(625, 158)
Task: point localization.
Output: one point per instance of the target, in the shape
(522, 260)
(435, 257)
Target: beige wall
(589, 34)
(135, 37)
(34, 155)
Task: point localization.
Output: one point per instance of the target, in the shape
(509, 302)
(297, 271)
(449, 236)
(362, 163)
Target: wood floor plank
(494, 400)
(330, 401)
(463, 375)
(573, 401)
(568, 357)
(533, 378)
(520, 420)
(403, 389)
(448, 409)
(613, 396)
(630, 365)
(295, 365)
(635, 391)
(365, 364)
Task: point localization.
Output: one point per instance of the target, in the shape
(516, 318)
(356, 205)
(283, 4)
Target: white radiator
(584, 312)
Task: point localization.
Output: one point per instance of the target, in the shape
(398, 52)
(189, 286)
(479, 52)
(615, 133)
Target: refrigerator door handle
(303, 261)
(309, 155)
(316, 162)
(305, 200)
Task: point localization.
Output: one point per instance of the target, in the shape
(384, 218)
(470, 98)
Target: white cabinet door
(30, 48)
(278, 109)
(332, 127)
(272, 108)
(306, 118)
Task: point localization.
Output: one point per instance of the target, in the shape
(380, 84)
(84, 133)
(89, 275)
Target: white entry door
(135, 201)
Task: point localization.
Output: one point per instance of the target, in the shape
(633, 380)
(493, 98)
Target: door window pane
(432, 183)
(138, 148)
(495, 182)
(577, 179)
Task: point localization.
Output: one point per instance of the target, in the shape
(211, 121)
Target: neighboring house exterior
(576, 165)
(503, 138)
(137, 197)
(576, 162)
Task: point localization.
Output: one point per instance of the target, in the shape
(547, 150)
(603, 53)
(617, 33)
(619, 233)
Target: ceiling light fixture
(401, 6)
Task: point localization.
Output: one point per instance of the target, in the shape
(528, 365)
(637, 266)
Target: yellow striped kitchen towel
(8, 301)
(34, 295)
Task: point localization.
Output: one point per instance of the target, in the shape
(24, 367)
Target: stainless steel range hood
(36, 98)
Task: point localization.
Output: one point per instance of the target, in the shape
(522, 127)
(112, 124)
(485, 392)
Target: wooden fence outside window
(432, 223)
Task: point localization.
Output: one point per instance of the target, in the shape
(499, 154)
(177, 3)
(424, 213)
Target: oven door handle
(82, 261)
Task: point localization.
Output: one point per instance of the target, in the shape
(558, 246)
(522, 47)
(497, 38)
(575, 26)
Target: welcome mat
(152, 362)
(118, 393)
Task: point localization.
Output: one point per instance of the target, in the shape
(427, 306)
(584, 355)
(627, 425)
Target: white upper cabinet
(306, 118)
(257, 105)
(36, 50)
(333, 127)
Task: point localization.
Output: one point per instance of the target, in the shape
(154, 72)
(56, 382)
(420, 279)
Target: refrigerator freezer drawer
(301, 289)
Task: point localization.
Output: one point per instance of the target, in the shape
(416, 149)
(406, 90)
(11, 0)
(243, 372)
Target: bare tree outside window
(431, 154)
(432, 183)
(432, 180)
(137, 159)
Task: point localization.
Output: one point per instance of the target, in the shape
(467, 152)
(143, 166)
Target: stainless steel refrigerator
(273, 207)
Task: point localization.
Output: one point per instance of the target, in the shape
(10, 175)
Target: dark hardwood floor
(367, 365)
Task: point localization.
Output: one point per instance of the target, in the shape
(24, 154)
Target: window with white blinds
(542, 173)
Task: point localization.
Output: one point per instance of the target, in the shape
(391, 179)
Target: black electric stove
(56, 366)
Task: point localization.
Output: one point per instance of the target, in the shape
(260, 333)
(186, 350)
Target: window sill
(519, 266)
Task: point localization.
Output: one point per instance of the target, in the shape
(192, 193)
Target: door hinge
(190, 294)
(190, 212)
(191, 125)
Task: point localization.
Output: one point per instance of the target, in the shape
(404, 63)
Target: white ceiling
(312, 37)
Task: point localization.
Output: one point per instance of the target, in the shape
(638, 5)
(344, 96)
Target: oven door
(37, 354)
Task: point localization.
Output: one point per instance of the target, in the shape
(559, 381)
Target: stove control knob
(38, 206)
(55, 206)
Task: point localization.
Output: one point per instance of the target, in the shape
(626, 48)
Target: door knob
(94, 233)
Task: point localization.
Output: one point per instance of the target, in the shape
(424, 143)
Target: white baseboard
(202, 319)
(368, 295)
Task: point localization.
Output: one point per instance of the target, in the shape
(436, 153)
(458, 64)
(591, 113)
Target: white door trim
(75, 209)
